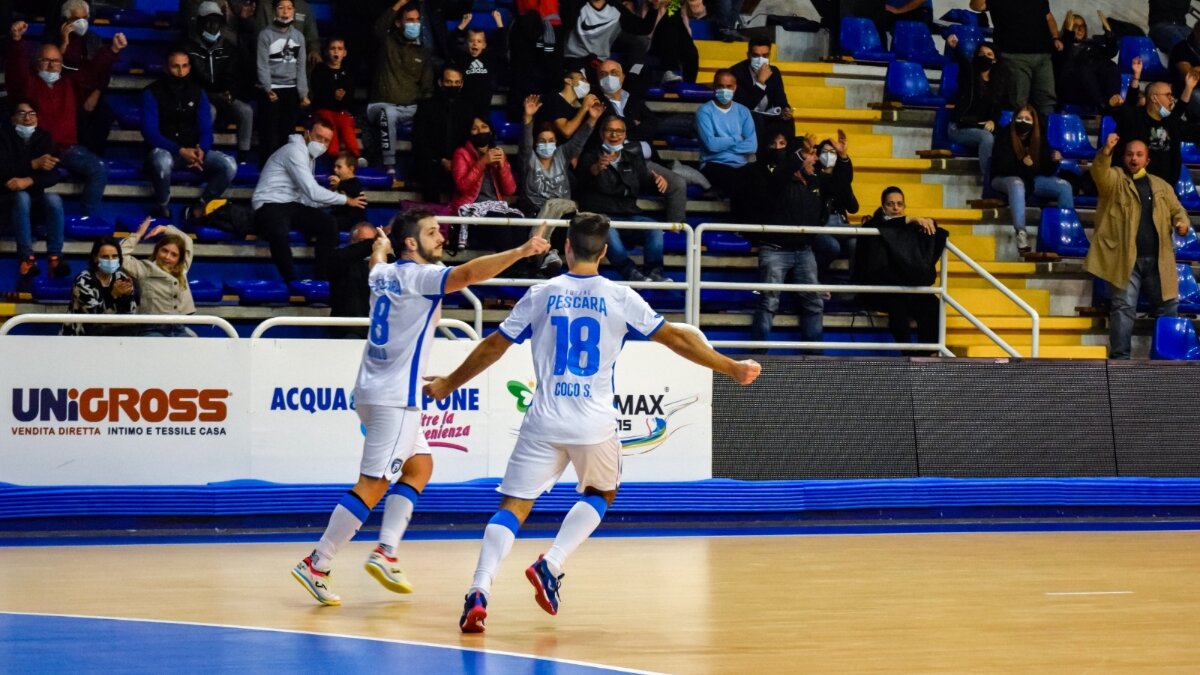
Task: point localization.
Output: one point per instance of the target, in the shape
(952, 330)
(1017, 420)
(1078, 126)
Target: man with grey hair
(80, 46)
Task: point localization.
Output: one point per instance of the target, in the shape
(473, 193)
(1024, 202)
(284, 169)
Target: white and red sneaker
(386, 571)
(315, 581)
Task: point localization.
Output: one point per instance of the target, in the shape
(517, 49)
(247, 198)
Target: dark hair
(27, 101)
(827, 141)
(275, 3)
(588, 234)
(477, 31)
(989, 46)
(758, 42)
(335, 38)
(173, 52)
(348, 157)
(452, 66)
(571, 71)
(544, 127)
(409, 7)
(890, 190)
(721, 72)
(318, 122)
(104, 241)
(407, 224)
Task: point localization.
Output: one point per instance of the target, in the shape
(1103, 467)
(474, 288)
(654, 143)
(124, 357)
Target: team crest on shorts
(396, 465)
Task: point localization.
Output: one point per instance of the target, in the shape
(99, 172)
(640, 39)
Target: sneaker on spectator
(656, 275)
(58, 267)
(27, 271)
(632, 273)
(551, 265)
(1022, 242)
(671, 76)
(362, 163)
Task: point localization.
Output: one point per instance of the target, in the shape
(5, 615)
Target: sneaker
(671, 76)
(474, 613)
(387, 571)
(551, 265)
(632, 273)
(315, 581)
(545, 585)
(58, 267)
(1022, 242)
(362, 163)
(28, 269)
(730, 35)
(656, 276)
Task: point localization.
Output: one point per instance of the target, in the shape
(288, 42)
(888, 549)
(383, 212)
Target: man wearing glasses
(26, 171)
(1158, 122)
(55, 94)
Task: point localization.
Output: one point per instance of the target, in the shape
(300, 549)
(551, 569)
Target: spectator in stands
(177, 125)
(345, 182)
(355, 22)
(905, 254)
(901, 10)
(288, 196)
(243, 25)
(798, 201)
(26, 171)
(483, 182)
(725, 19)
(566, 110)
(482, 66)
(727, 134)
(531, 48)
(402, 76)
(1023, 162)
(755, 199)
(303, 20)
(103, 288)
(220, 67)
(80, 46)
(190, 10)
(55, 95)
(593, 27)
(162, 283)
(835, 174)
(1132, 249)
(1168, 23)
(436, 16)
(1027, 34)
(976, 112)
(760, 85)
(1085, 74)
(671, 45)
(349, 294)
(1158, 122)
(610, 179)
(440, 126)
(1185, 58)
(333, 97)
(282, 78)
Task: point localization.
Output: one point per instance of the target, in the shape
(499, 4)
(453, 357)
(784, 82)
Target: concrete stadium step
(979, 249)
(1047, 324)
(989, 302)
(1046, 352)
(816, 95)
(919, 196)
(1018, 339)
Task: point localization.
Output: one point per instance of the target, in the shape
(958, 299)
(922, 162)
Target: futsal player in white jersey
(578, 323)
(406, 304)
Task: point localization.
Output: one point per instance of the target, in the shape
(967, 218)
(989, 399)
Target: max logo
(113, 404)
(641, 404)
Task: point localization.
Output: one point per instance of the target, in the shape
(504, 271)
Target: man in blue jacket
(727, 134)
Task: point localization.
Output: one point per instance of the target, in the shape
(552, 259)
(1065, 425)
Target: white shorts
(535, 466)
(393, 435)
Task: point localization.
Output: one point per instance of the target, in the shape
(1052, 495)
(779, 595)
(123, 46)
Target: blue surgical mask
(210, 37)
(80, 26)
(757, 62)
(612, 148)
(609, 84)
(108, 266)
(545, 150)
(49, 76)
(724, 96)
(1164, 111)
(412, 30)
(24, 131)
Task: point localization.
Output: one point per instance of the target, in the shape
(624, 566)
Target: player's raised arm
(487, 352)
(488, 266)
(692, 347)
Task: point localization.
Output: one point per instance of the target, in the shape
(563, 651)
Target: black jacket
(1162, 137)
(640, 123)
(178, 105)
(1006, 163)
(482, 74)
(978, 100)
(902, 255)
(440, 126)
(322, 84)
(220, 68)
(749, 94)
(798, 201)
(349, 294)
(615, 191)
(17, 155)
(837, 188)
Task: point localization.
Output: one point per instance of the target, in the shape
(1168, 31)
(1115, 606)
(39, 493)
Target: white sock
(497, 543)
(397, 511)
(581, 521)
(343, 524)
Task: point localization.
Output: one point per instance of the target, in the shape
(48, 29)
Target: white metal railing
(144, 319)
(445, 325)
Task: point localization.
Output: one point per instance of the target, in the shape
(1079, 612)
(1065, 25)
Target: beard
(430, 255)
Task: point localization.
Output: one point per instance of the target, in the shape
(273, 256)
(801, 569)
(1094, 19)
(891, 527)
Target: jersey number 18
(576, 345)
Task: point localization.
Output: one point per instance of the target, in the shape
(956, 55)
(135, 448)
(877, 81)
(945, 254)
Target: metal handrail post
(945, 279)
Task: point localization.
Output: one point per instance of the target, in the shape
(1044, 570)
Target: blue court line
(56, 643)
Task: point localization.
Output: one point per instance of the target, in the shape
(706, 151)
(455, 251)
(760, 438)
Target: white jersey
(578, 325)
(406, 305)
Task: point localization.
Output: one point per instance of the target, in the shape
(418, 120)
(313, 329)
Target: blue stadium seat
(1175, 340)
(969, 38)
(48, 290)
(948, 88)
(961, 16)
(906, 83)
(131, 18)
(681, 142)
(1152, 65)
(204, 292)
(375, 179)
(912, 41)
(87, 227)
(247, 174)
(1108, 126)
(725, 242)
(124, 170)
(1066, 134)
(674, 242)
(1005, 118)
(258, 290)
(859, 37)
(1190, 152)
(655, 93)
(503, 130)
(1187, 249)
(1060, 232)
(941, 134)
(687, 91)
(694, 191)
(210, 235)
(1186, 190)
(314, 291)
(1189, 290)
(127, 111)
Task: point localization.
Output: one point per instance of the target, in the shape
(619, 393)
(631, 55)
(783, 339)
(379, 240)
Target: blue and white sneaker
(545, 585)
(474, 613)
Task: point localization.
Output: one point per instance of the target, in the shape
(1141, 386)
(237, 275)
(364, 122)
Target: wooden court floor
(1110, 602)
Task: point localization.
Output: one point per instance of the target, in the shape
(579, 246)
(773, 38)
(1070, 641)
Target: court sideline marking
(1092, 593)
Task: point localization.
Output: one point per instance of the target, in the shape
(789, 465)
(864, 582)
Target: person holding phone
(483, 181)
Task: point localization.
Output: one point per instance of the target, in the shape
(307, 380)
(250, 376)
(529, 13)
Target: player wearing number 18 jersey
(406, 303)
(578, 323)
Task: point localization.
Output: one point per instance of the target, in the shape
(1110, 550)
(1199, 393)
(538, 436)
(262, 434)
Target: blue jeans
(980, 139)
(1167, 35)
(1143, 279)
(22, 208)
(82, 164)
(828, 248)
(168, 330)
(774, 266)
(725, 13)
(1043, 186)
(652, 245)
(219, 170)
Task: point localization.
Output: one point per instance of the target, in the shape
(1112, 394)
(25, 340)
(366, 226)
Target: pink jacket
(468, 176)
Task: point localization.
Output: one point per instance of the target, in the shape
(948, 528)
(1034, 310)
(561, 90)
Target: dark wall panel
(1156, 420)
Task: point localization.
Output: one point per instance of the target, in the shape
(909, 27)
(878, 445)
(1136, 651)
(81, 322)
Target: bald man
(1158, 122)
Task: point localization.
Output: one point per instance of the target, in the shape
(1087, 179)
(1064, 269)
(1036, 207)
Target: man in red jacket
(56, 94)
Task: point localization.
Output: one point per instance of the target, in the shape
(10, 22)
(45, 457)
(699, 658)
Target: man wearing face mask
(727, 134)
(1158, 123)
(288, 196)
(26, 171)
(1132, 247)
(760, 85)
(177, 125)
(79, 46)
(566, 111)
(403, 75)
(220, 67)
(441, 125)
(56, 94)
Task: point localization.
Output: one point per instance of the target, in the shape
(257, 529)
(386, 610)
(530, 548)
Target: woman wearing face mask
(835, 172)
(483, 181)
(282, 78)
(161, 281)
(1023, 162)
(103, 288)
(976, 112)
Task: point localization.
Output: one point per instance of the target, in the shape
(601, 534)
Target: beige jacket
(1114, 242)
(158, 291)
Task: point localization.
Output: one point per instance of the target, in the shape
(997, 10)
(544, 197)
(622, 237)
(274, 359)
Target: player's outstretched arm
(488, 266)
(692, 347)
(480, 359)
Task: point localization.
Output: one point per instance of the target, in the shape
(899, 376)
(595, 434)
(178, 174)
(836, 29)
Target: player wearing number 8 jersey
(578, 323)
(406, 304)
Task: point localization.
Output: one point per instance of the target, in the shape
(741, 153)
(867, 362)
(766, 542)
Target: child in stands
(332, 96)
(344, 181)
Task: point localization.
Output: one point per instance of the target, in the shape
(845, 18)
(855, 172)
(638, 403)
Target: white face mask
(24, 131)
(757, 62)
(612, 148)
(210, 37)
(80, 26)
(49, 76)
(545, 150)
(828, 159)
(316, 149)
(582, 89)
(610, 84)
(1164, 111)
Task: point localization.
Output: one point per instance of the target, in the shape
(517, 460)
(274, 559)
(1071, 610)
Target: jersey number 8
(379, 320)
(576, 345)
